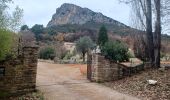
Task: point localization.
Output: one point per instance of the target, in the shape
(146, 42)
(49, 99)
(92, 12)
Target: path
(64, 82)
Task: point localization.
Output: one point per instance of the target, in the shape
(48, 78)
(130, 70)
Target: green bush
(115, 51)
(5, 43)
(47, 53)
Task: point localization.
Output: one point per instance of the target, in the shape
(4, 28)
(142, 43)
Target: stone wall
(19, 74)
(101, 69)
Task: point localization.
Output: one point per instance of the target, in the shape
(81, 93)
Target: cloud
(41, 11)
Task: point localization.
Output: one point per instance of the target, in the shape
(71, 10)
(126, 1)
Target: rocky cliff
(73, 14)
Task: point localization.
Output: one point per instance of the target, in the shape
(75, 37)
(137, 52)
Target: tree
(37, 30)
(144, 9)
(102, 37)
(3, 13)
(157, 34)
(83, 45)
(24, 27)
(140, 47)
(165, 16)
(9, 21)
(16, 19)
(149, 34)
(27, 38)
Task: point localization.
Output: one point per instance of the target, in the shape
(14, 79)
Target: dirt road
(65, 82)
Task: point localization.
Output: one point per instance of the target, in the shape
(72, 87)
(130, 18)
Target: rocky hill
(73, 14)
(78, 21)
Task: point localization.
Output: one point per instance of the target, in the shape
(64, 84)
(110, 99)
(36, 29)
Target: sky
(41, 11)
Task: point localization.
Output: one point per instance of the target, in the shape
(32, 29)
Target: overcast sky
(41, 11)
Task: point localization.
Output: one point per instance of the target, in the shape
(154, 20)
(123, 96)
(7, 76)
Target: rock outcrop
(73, 14)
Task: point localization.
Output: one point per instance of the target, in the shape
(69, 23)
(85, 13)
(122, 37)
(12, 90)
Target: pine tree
(102, 37)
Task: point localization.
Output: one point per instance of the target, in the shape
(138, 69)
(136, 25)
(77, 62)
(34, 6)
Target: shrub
(47, 53)
(5, 43)
(115, 51)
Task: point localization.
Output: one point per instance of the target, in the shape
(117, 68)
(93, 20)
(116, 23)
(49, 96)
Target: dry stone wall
(101, 69)
(19, 75)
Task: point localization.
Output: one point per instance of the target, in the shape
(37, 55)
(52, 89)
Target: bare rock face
(72, 14)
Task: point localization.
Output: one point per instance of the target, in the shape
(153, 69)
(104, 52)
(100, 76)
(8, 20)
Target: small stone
(152, 82)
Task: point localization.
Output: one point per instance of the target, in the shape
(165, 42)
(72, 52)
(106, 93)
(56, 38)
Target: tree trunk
(157, 35)
(149, 33)
(84, 57)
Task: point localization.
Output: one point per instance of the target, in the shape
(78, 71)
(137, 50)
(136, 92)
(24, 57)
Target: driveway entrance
(65, 82)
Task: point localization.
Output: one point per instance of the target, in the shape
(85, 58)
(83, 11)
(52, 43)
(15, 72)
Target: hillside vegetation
(70, 22)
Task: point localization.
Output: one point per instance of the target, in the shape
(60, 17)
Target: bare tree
(157, 33)
(144, 10)
(140, 48)
(165, 16)
(149, 33)
(27, 38)
(143, 19)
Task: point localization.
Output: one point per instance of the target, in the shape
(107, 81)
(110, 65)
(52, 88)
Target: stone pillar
(30, 59)
(89, 66)
(103, 69)
(20, 74)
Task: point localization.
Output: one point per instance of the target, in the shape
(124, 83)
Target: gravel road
(65, 82)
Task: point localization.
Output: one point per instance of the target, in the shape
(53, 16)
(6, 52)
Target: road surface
(65, 82)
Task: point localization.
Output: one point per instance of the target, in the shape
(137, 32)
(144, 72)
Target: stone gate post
(30, 60)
